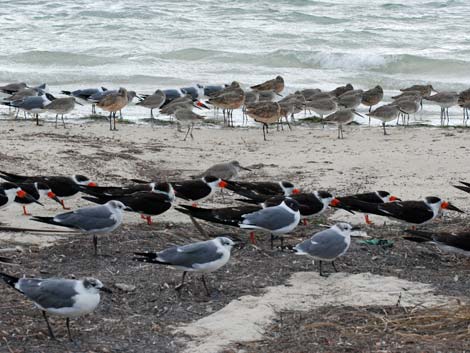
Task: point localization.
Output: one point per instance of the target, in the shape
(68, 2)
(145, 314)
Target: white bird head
(226, 242)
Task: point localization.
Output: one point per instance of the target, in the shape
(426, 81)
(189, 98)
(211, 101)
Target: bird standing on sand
(340, 118)
(91, 220)
(327, 245)
(62, 297)
(187, 116)
(233, 97)
(9, 192)
(113, 103)
(154, 101)
(203, 257)
(265, 113)
(445, 100)
(61, 106)
(83, 96)
(385, 113)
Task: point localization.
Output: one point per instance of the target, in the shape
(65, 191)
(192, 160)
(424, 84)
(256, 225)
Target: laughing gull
(83, 95)
(148, 204)
(9, 192)
(12, 88)
(278, 220)
(36, 190)
(455, 242)
(62, 186)
(276, 85)
(196, 91)
(204, 257)
(32, 104)
(61, 106)
(327, 245)
(381, 196)
(62, 297)
(153, 101)
(224, 171)
(91, 220)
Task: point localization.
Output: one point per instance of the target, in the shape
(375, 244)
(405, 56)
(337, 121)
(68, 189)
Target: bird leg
(272, 241)
(63, 205)
(339, 132)
(187, 132)
(287, 121)
(203, 279)
(305, 221)
(252, 238)
(179, 286)
(95, 244)
(25, 212)
(191, 133)
(49, 328)
(114, 120)
(67, 322)
(110, 121)
(63, 121)
(56, 117)
(368, 221)
(385, 131)
(149, 220)
(37, 119)
(321, 271)
(334, 266)
(264, 132)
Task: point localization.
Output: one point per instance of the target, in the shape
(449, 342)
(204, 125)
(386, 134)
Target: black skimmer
(203, 257)
(464, 187)
(352, 203)
(91, 220)
(327, 245)
(116, 191)
(36, 190)
(414, 212)
(261, 191)
(62, 186)
(9, 192)
(148, 204)
(455, 242)
(62, 297)
(198, 190)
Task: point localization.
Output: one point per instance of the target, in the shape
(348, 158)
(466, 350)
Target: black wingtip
(10, 280)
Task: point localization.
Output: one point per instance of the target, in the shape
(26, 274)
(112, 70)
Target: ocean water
(149, 44)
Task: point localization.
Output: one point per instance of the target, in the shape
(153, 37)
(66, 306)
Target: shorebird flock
(264, 103)
(276, 208)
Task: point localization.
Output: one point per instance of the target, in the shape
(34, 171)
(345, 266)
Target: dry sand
(411, 163)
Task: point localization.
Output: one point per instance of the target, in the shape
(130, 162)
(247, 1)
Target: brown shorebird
(229, 100)
(464, 103)
(322, 106)
(61, 106)
(445, 100)
(341, 89)
(224, 171)
(185, 115)
(251, 97)
(113, 103)
(350, 99)
(265, 113)
(340, 118)
(408, 94)
(276, 85)
(425, 90)
(407, 105)
(372, 97)
(154, 101)
(171, 108)
(266, 96)
(309, 92)
(385, 113)
(12, 88)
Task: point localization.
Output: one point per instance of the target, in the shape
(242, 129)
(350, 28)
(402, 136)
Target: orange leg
(305, 221)
(149, 220)
(252, 238)
(368, 221)
(25, 212)
(195, 204)
(63, 205)
(142, 216)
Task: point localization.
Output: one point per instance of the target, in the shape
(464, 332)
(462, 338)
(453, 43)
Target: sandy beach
(411, 162)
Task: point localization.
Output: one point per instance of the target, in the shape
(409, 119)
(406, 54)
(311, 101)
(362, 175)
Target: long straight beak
(106, 290)
(451, 207)
(360, 115)
(244, 168)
